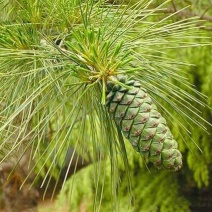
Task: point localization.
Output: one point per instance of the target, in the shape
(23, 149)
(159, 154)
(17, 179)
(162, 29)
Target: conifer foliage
(62, 90)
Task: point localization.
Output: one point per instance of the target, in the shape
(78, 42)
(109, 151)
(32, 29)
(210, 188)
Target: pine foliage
(148, 189)
(197, 172)
(56, 59)
(200, 76)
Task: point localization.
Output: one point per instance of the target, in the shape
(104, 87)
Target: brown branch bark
(6, 167)
(13, 198)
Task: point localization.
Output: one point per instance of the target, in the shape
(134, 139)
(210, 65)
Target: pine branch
(187, 14)
(6, 167)
(190, 14)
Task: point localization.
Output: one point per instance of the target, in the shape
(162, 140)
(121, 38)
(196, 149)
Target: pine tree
(60, 64)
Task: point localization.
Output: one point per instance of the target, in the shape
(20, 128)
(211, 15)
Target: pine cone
(135, 113)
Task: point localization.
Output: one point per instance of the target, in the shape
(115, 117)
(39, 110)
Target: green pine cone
(135, 113)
